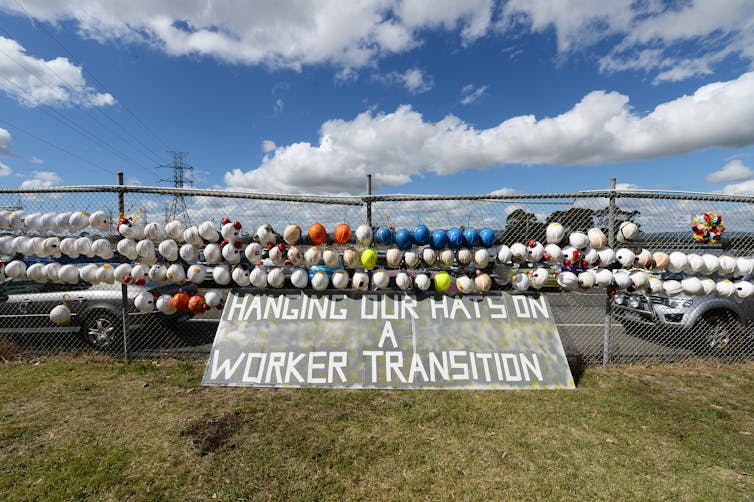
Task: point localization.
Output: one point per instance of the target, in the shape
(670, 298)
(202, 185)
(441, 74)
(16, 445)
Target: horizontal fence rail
(598, 323)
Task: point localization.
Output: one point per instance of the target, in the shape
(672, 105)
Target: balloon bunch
(708, 228)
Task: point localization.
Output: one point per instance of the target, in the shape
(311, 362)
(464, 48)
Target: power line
(64, 150)
(88, 72)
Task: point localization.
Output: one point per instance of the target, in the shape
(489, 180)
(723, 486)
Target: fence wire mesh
(600, 324)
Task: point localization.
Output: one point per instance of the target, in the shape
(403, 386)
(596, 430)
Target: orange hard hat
(342, 234)
(318, 234)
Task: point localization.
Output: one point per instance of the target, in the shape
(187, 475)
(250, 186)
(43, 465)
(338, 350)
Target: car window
(20, 287)
(55, 287)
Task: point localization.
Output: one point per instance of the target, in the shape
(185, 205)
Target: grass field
(88, 428)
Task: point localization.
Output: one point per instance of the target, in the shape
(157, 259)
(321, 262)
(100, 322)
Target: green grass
(105, 430)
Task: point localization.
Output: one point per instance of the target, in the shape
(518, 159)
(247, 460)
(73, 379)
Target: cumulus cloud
(504, 191)
(42, 179)
(735, 170)
(414, 80)
(601, 128)
(5, 170)
(285, 33)
(649, 36)
(33, 82)
(743, 188)
(268, 146)
(5, 143)
(471, 93)
(36, 160)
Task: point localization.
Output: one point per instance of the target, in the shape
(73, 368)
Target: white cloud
(42, 179)
(285, 33)
(504, 191)
(5, 143)
(735, 170)
(471, 93)
(649, 36)
(743, 188)
(5, 170)
(601, 128)
(36, 160)
(414, 80)
(33, 82)
(268, 146)
(278, 106)
(627, 186)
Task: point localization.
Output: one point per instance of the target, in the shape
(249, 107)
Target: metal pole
(608, 302)
(369, 202)
(123, 287)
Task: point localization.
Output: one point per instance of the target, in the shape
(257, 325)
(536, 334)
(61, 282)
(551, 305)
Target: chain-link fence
(666, 293)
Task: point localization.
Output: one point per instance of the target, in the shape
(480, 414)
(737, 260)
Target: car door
(17, 305)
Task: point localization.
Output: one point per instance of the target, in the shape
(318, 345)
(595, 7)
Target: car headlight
(634, 302)
(619, 299)
(678, 303)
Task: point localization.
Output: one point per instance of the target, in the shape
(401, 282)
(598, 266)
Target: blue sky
(444, 96)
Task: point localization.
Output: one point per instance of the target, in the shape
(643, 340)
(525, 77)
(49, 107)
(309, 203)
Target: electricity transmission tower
(181, 178)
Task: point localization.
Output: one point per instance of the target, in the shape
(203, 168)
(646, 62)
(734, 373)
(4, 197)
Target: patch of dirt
(210, 434)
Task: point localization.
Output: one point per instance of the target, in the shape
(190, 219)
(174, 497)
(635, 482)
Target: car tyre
(102, 330)
(720, 334)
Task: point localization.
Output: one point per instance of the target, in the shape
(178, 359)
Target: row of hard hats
(44, 247)
(74, 221)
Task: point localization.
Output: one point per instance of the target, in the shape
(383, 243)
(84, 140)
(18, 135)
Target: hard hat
(422, 282)
(711, 263)
(342, 234)
(429, 256)
(351, 258)
(587, 279)
(447, 257)
(299, 278)
(278, 254)
(591, 256)
(144, 248)
(403, 281)
(380, 279)
(655, 285)
(60, 315)
(189, 253)
(364, 234)
(103, 249)
(568, 281)
(504, 254)
(175, 230)
(539, 276)
(465, 284)
(660, 260)
(487, 237)
(144, 302)
(725, 288)
(175, 273)
(384, 235)
(421, 235)
(471, 236)
(483, 283)
(230, 230)
(555, 233)
(368, 258)
(340, 279)
(231, 252)
(403, 239)
(122, 273)
(164, 305)
(221, 275)
(78, 221)
(154, 232)
(127, 248)
(105, 274)
(603, 277)
(481, 258)
(694, 263)
(439, 239)
(627, 231)
(100, 220)
(579, 240)
(709, 286)
(292, 234)
(464, 256)
(442, 281)
(597, 238)
(625, 257)
(692, 286)
(553, 254)
(196, 273)
(727, 265)
(331, 257)
(672, 287)
(744, 266)
(411, 258)
(520, 282)
(266, 235)
(51, 247)
(678, 262)
(68, 274)
(640, 280)
(253, 252)
(191, 236)
(241, 276)
(317, 234)
(276, 278)
(312, 256)
(455, 238)
(319, 281)
(36, 272)
(622, 279)
(744, 289)
(207, 231)
(168, 249)
(360, 281)
(213, 253)
(535, 251)
(519, 252)
(294, 255)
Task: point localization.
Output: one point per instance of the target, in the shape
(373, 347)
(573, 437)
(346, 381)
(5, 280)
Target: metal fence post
(608, 303)
(123, 287)
(369, 201)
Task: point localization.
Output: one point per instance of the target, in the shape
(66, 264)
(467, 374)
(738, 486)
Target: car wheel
(720, 334)
(102, 330)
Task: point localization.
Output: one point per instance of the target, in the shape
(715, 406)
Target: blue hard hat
(421, 235)
(439, 239)
(403, 239)
(487, 237)
(384, 235)
(472, 236)
(455, 238)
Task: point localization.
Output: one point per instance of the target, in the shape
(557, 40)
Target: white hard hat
(144, 248)
(51, 247)
(554, 233)
(6, 245)
(518, 252)
(727, 265)
(68, 247)
(127, 248)
(429, 256)
(68, 273)
(364, 234)
(579, 240)
(625, 257)
(36, 272)
(520, 282)
(292, 234)
(299, 278)
(481, 258)
(504, 254)
(191, 235)
(294, 255)
(62, 222)
(208, 232)
(360, 281)
(592, 257)
(622, 280)
(403, 281)
(221, 275)
(105, 274)
(465, 284)
(744, 289)
(587, 279)
(660, 260)
(447, 257)
(165, 305)
(131, 230)
(464, 256)
(213, 298)
(100, 220)
(640, 280)
(627, 231)
(257, 277)
(678, 262)
(189, 253)
(175, 230)
(692, 286)
(643, 259)
(568, 281)
(276, 278)
(253, 252)
(312, 256)
(538, 277)
(331, 257)
(319, 281)
(88, 273)
(340, 279)
(103, 249)
(380, 279)
(553, 254)
(694, 263)
(725, 288)
(709, 286)
(672, 287)
(711, 263)
(60, 315)
(37, 247)
(154, 232)
(78, 221)
(482, 283)
(230, 230)
(213, 253)
(277, 254)
(603, 277)
(351, 258)
(196, 273)
(393, 257)
(655, 285)
(33, 221)
(176, 273)
(144, 302)
(122, 273)
(169, 249)
(597, 238)
(422, 281)
(744, 266)
(51, 271)
(411, 258)
(535, 251)
(266, 235)
(607, 256)
(231, 253)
